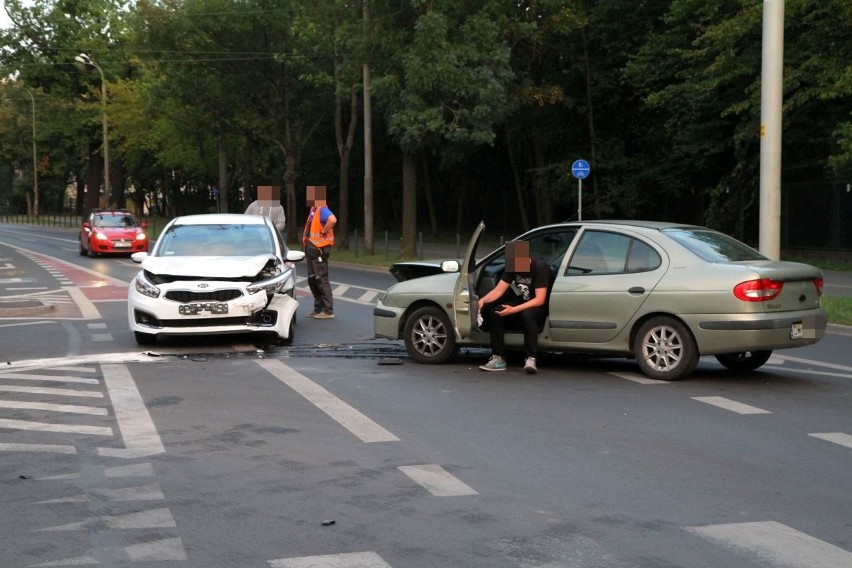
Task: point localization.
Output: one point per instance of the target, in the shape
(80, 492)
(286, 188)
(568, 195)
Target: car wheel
(665, 349)
(429, 336)
(145, 338)
(92, 253)
(745, 361)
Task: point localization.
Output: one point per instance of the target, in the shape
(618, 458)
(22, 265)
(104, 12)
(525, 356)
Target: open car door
(465, 301)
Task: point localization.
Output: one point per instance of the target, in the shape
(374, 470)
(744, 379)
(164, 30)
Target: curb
(17, 308)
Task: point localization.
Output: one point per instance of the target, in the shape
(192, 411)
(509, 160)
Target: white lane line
(845, 368)
(437, 481)
(43, 448)
(368, 296)
(167, 549)
(134, 421)
(731, 405)
(347, 416)
(78, 369)
(69, 408)
(120, 471)
(141, 493)
(777, 545)
(87, 308)
(637, 378)
(153, 519)
(50, 378)
(347, 560)
(102, 337)
(340, 290)
(96, 325)
(46, 390)
(47, 427)
(836, 437)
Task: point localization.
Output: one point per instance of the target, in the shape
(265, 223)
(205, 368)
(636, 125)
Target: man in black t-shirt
(529, 279)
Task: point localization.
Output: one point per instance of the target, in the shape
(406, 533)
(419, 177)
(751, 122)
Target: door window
(602, 252)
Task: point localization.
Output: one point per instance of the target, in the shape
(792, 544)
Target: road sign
(580, 169)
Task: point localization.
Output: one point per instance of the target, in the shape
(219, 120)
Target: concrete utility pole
(368, 144)
(35, 159)
(771, 101)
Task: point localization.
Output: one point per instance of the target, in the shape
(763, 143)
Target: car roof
(220, 219)
(627, 223)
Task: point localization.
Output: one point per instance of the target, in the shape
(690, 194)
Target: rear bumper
(758, 331)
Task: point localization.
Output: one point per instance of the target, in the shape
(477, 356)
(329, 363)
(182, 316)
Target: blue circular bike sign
(580, 169)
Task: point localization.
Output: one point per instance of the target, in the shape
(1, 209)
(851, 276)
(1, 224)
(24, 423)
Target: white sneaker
(529, 366)
(496, 363)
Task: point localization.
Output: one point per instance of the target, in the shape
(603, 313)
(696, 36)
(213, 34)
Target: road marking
(86, 307)
(731, 405)
(134, 421)
(836, 437)
(44, 448)
(157, 551)
(30, 288)
(153, 519)
(347, 560)
(777, 545)
(437, 481)
(846, 368)
(70, 408)
(368, 296)
(340, 290)
(144, 469)
(347, 416)
(102, 337)
(637, 378)
(46, 390)
(50, 378)
(141, 493)
(47, 427)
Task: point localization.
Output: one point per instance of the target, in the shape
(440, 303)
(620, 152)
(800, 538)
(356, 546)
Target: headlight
(140, 236)
(271, 285)
(144, 287)
(101, 237)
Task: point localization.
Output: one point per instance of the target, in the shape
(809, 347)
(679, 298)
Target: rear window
(713, 246)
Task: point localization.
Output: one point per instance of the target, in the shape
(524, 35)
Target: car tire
(145, 338)
(665, 349)
(92, 253)
(745, 361)
(429, 336)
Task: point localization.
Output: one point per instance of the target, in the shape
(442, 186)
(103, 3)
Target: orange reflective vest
(314, 230)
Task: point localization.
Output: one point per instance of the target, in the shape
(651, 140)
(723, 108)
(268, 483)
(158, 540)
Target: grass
(839, 309)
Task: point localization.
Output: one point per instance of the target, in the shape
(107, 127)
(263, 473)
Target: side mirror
(295, 255)
(450, 266)
(87, 225)
(144, 224)
(138, 257)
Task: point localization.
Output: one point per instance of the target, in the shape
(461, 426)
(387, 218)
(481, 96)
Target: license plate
(121, 244)
(195, 309)
(796, 330)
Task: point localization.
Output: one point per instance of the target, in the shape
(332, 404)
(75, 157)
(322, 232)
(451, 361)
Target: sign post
(580, 169)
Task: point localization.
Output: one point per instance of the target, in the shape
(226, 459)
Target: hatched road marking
(731, 405)
(836, 437)
(437, 481)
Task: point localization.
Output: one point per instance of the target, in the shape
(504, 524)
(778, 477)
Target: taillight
(818, 285)
(758, 290)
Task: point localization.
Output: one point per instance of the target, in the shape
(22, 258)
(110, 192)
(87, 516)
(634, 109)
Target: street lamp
(35, 159)
(86, 60)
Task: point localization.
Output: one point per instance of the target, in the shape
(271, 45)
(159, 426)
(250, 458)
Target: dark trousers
(317, 259)
(529, 321)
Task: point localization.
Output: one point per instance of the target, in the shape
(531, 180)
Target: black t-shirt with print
(526, 282)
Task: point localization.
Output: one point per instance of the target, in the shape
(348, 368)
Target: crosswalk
(59, 409)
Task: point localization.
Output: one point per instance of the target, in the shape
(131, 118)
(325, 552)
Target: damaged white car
(215, 274)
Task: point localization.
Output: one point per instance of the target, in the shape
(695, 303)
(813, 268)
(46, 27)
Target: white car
(215, 274)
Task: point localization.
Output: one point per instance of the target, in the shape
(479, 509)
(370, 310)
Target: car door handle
(636, 290)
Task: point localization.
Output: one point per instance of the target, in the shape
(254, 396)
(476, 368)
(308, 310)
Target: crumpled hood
(207, 266)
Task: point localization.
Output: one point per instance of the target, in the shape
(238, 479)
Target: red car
(112, 232)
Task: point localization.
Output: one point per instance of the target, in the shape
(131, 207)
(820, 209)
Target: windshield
(215, 240)
(114, 221)
(713, 246)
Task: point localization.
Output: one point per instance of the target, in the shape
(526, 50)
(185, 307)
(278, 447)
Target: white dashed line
(836, 437)
(437, 481)
(731, 405)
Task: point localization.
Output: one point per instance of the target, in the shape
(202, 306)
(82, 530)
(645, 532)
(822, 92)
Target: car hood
(207, 266)
(442, 283)
(410, 270)
(118, 232)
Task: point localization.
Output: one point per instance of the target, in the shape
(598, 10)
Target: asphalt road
(339, 452)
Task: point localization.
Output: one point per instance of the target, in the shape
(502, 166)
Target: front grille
(204, 322)
(186, 296)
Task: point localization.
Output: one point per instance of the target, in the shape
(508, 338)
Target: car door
(465, 304)
(607, 279)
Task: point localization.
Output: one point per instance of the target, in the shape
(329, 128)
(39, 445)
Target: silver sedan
(663, 294)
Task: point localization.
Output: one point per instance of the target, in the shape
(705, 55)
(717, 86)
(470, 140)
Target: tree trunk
(596, 203)
(430, 205)
(519, 186)
(94, 172)
(223, 172)
(408, 248)
(344, 151)
(117, 183)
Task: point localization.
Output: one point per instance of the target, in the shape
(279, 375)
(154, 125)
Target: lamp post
(35, 159)
(86, 60)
